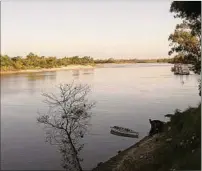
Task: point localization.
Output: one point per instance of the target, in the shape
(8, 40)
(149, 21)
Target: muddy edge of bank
(108, 164)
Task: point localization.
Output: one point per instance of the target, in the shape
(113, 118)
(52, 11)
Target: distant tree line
(111, 60)
(33, 61)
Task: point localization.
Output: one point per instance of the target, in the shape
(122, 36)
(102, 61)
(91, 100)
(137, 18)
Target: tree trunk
(75, 153)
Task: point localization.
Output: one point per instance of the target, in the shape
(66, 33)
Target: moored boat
(185, 70)
(180, 69)
(126, 132)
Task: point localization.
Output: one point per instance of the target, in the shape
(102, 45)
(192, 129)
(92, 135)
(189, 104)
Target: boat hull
(123, 134)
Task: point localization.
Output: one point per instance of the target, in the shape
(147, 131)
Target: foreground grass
(178, 147)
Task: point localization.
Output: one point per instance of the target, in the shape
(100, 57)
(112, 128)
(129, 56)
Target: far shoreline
(69, 67)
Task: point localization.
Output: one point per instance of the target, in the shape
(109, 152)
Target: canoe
(120, 131)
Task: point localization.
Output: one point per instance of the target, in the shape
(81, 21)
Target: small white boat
(126, 132)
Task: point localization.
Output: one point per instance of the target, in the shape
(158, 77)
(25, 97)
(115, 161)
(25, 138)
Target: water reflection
(76, 74)
(88, 71)
(126, 97)
(41, 76)
(34, 76)
(183, 79)
(35, 79)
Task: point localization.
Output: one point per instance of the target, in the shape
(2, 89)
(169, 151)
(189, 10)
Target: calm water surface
(126, 95)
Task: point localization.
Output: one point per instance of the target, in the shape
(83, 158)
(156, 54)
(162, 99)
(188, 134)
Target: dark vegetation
(181, 146)
(180, 143)
(156, 127)
(186, 39)
(177, 146)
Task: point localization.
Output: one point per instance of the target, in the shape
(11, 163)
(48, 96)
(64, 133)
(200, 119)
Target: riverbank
(70, 67)
(138, 152)
(177, 147)
(34, 62)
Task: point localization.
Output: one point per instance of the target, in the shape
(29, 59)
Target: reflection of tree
(181, 79)
(88, 71)
(75, 73)
(41, 76)
(67, 121)
(35, 76)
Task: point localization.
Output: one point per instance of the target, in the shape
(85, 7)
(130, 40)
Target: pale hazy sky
(99, 28)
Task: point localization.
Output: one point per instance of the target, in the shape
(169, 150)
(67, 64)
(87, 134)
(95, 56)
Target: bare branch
(67, 120)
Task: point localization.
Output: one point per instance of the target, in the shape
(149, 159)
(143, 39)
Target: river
(125, 94)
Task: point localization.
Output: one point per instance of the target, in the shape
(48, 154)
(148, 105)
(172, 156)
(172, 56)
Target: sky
(99, 28)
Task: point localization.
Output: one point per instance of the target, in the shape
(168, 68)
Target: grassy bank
(178, 147)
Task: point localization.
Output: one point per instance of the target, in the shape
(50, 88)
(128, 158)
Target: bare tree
(67, 121)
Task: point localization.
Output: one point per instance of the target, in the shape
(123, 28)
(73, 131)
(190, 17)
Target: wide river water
(125, 94)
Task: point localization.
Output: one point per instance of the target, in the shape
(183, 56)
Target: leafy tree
(187, 45)
(186, 38)
(51, 62)
(32, 60)
(189, 11)
(5, 60)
